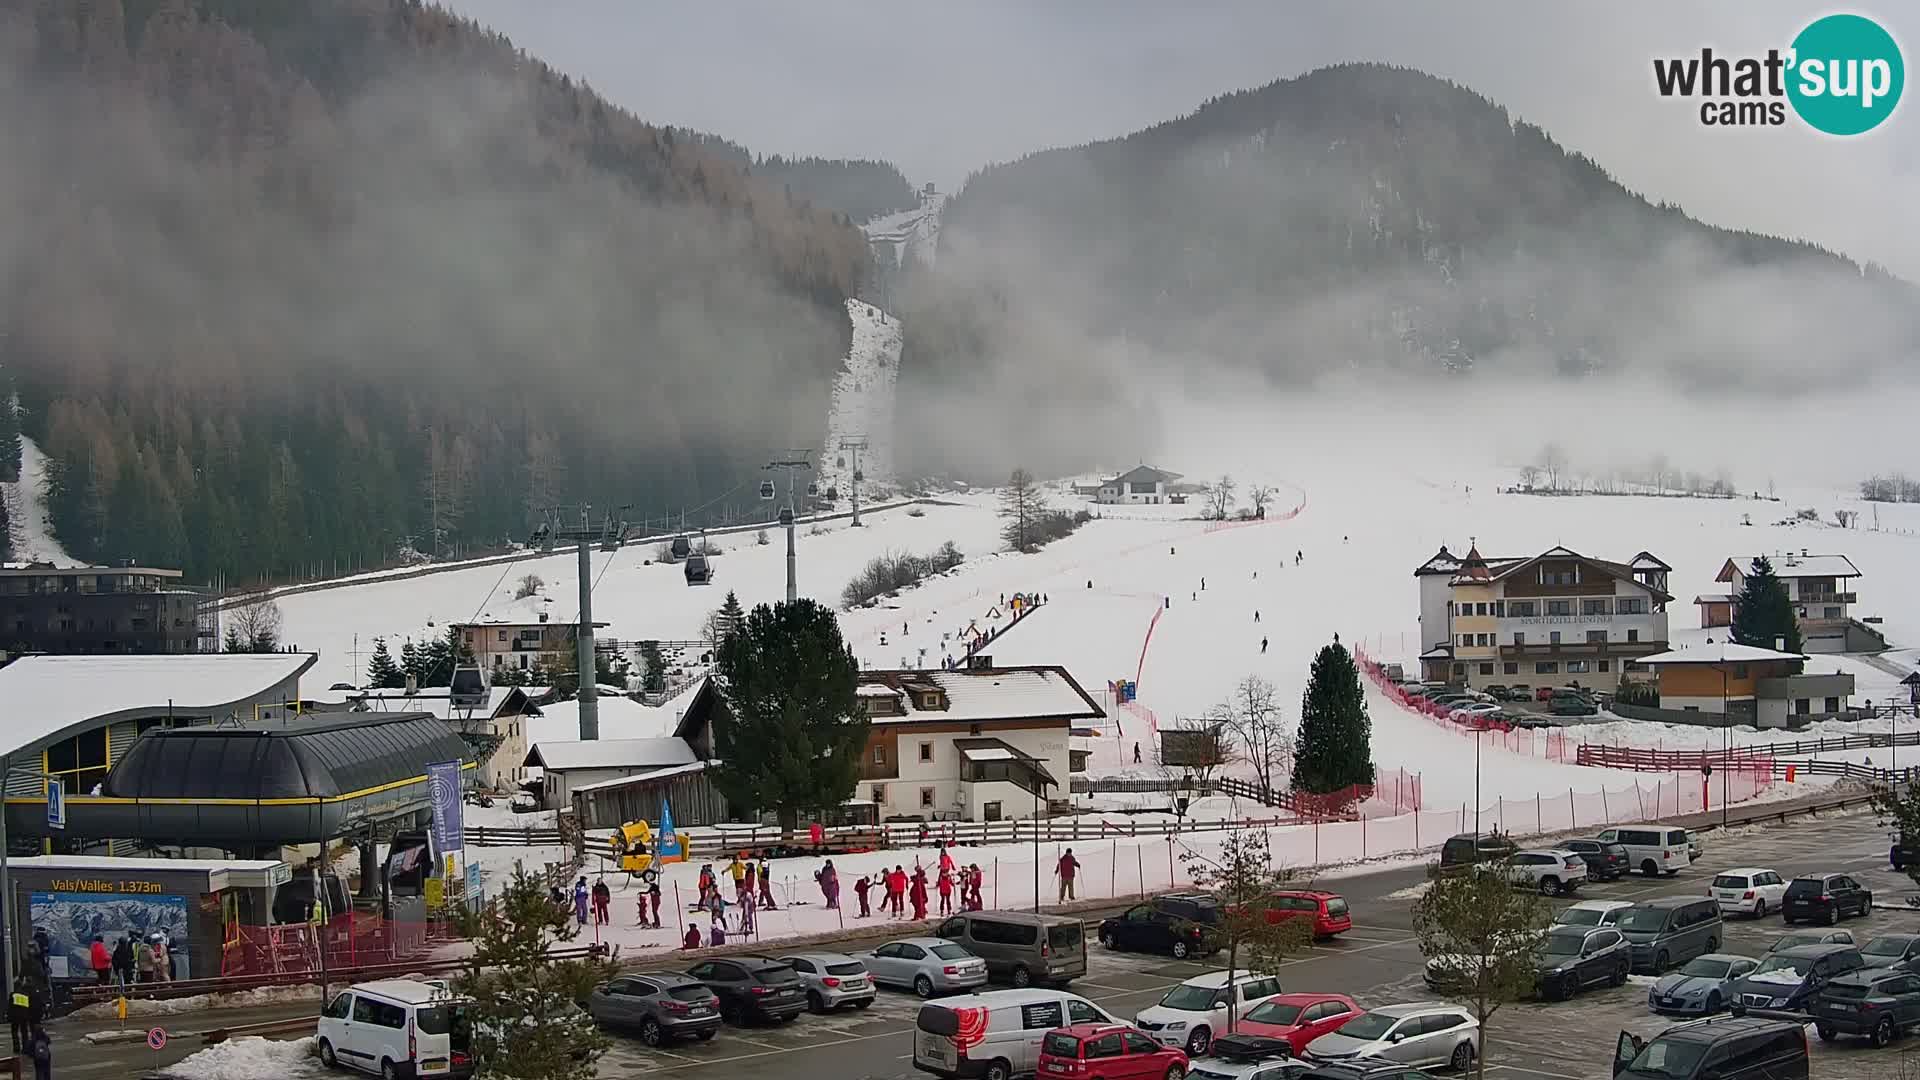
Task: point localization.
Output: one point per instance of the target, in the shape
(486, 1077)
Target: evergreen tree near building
(442, 655)
(1763, 615)
(412, 664)
(793, 732)
(1334, 748)
(382, 672)
(654, 679)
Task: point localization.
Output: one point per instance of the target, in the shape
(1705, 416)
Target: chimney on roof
(1779, 644)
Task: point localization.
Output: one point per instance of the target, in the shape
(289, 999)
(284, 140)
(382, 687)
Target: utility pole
(854, 444)
(585, 535)
(796, 459)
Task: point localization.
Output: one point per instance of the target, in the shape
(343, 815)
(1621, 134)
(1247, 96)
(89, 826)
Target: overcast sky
(943, 89)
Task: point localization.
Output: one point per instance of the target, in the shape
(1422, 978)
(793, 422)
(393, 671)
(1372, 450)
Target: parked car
(1419, 1034)
(1529, 720)
(1519, 692)
(1180, 925)
(1749, 890)
(396, 1027)
(1811, 937)
(1551, 871)
(1443, 972)
(752, 988)
(1605, 862)
(1108, 1052)
(1296, 1019)
(1571, 960)
(1879, 1003)
(1327, 910)
(1893, 951)
(1192, 1013)
(1248, 1057)
(1728, 1048)
(925, 965)
(1474, 711)
(1653, 849)
(1545, 693)
(658, 1006)
(1701, 987)
(1468, 849)
(832, 980)
(994, 1034)
(1670, 930)
(1696, 847)
(1788, 979)
(1496, 691)
(1362, 1069)
(1572, 705)
(1826, 898)
(1591, 913)
(1021, 947)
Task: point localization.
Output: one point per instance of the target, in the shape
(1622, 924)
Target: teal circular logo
(1846, 74)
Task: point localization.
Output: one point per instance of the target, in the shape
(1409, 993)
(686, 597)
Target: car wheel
(1462, 1059)
(923, 986)
(388, 1070)
(650, 1032)
(1866, 906)
(1787, 920)
(1713, 944)
(1109, 940)
(816, 1003)
(1660, 962)
(1650, 868)
(1198, 1042)
(1549, 886)
(1175, 1072)
(1882, 1032)
(1181, 950)
(1826, 1031)
(1833, 914)
(327, 1057)
(1021, 976)
(1620, 974)
(1759, 909)
(730, 1013)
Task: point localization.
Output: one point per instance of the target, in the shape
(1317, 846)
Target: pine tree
(1763, 613)
(9, 429)
(793, 734)
(1022, 506)
(412, 664)
(654, 679)
(731, 614)
(382, 672)
(1335, 743)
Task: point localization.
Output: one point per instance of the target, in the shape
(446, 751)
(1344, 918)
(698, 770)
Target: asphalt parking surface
(1377, 963)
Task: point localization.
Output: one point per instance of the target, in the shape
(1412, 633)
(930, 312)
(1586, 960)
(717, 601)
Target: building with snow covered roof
(521, 635)
(1749, 685)
(570, 764)
(1552, 619)
(1820, 587)
(1140, 484)
(99, 609)
(496, 731)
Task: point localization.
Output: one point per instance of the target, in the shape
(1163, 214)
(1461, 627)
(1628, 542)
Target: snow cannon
(633, 846)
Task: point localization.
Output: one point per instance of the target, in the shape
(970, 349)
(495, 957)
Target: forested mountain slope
(287, 281)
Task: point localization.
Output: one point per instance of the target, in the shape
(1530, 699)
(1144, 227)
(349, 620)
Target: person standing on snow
(1263, 646)
(651, 896)
(602, 902)
(580, 901)
(860, 889)
(945, 886)
(766, 887)
(1067, 868)
(1136, 753)
(919, 894)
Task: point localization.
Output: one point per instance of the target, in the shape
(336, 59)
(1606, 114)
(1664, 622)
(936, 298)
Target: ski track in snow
(26, 509)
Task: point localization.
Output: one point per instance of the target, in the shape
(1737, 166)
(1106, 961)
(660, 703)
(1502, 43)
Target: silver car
(832, 980)
(1703, 985)
(1426, 1034)
(659, 1006)
(925, 965)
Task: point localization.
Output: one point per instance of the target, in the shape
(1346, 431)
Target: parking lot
(1377, 963)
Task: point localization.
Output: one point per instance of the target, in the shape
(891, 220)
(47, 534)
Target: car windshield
(1562, 944)
(1730, 881)
(1643, 918)
(1796, 964)
(1707, 969)
(1190, 998)
(1272, 1012)
(1670, 1058)
(1882, 946)
(777, 975)
(951, 952)
(853, 968)
(690, 993)
(1580, 916)
(1369, 1026)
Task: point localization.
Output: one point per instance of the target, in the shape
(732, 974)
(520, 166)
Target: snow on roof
(643, 777)
(875, 690)
(49, 694)
(988, 753)
(1719, 652)
(1713, 598)
(610, 753)
(999, 694)
(621, 717)
(1789, 565)
(1146, 474)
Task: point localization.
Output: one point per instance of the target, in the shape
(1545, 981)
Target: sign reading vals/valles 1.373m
(105, 885)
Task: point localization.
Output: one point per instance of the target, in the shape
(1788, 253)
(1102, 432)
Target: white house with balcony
(1558, 618)
(1142, 484)
(1821, 589)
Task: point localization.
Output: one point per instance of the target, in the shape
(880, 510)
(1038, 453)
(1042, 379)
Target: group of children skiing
(899, 888)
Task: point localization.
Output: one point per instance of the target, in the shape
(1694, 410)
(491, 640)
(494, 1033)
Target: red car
(1328, 910)
(1107, 1052)
(1298, 1018)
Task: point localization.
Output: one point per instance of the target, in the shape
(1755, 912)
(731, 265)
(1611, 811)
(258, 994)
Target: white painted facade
(937, 776)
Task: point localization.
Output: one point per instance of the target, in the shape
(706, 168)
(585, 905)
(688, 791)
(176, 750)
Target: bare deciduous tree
(529, 585)
(253, 626)
(1529, 476)
(1554, 460)
(1253, 720)
(1220, 498)
(1260, 495)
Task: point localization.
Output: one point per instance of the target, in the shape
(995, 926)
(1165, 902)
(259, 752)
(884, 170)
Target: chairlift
(833, 494)
(698, 571)
(766, 489)
(858, 476)
(468, 688)
(813, 489)
(679, 549)
(840, 462)
(786, 517)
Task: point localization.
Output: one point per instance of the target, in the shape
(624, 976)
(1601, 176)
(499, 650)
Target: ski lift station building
(244, 765)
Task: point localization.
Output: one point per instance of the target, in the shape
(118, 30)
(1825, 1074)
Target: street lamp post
(1726, 746)
(1478, 730)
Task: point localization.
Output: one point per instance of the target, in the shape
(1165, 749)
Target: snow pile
(252, 1058)
(259, 997)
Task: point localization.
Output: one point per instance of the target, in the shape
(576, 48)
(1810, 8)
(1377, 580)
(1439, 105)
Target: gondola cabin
(699, 571)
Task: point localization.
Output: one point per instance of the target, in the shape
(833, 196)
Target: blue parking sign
(56, 804)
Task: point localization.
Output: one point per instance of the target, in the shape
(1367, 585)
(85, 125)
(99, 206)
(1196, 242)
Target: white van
(1652, 849)
(995, 1035)
(396, 1028)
